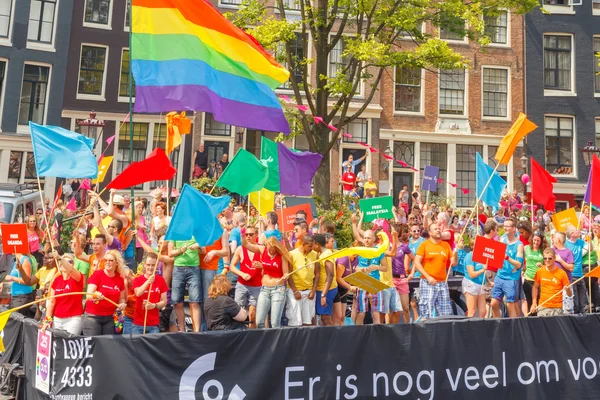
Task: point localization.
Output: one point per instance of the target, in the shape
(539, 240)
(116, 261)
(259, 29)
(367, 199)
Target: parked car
(18, 201)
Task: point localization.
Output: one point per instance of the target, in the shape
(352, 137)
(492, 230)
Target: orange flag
(177, 125)
(595, 273)
(521, 128)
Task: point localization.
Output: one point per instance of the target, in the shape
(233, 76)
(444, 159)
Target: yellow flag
(177, 125)
(103, 169)
(365, 252)
(521, 128)
(105, 223)
(264, 201)
(3, 320)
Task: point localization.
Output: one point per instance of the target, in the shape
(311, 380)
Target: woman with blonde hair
(274, 262)
(107, 283)
(161, 219)
(220, 311)
(35, 236)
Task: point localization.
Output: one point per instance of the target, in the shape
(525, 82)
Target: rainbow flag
(186, 56)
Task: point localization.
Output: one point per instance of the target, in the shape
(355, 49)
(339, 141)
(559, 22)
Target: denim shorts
(505, 288)
(328, 309)
(390, 301)
(190, 277)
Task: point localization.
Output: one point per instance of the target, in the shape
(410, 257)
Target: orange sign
(14, 239)
(289, 215)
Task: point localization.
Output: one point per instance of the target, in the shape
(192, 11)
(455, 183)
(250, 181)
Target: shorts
(328, 309)
(299, 312)
(190, 277)
(401, 285)
(472, 288)
(342, 294)
(416, 294)
(488, 283)
(363, 297)
(166, 314)
(246, 295)
(549, 312)
(391, 301)
(505, 288)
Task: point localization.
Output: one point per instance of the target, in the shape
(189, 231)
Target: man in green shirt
(186, 271)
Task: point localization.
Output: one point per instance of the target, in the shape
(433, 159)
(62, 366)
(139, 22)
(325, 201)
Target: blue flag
(62, 153)
(493, 192)
(196, 216)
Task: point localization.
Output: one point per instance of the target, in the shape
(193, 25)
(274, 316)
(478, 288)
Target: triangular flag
(296, 170)
(542, 186)
(85, 185)
(244, 174)
(521, 128)
(110, 140)
(156, 167)
(270, 155)
(484, 174)
(177, 125)
(264, 201)
(72, 205)
(318, 120)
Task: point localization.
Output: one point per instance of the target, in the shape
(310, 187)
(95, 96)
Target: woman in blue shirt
(473, 287)
(21, 293)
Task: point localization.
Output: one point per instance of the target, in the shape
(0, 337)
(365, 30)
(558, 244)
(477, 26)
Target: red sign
(14, 238)
(490, 252)
(289, 215)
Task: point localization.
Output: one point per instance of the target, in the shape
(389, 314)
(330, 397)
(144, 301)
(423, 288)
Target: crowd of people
(256, 276)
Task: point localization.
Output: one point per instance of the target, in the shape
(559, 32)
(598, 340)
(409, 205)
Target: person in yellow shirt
(300, 307)
(327, 288)
(370, 188)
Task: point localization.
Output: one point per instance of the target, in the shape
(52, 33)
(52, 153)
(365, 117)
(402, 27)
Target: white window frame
(216, 138)
(561, 93)
(232, 6)
(508, 44)
(465, 114)
(596, 61)
(360, 94)
(595, 11)
(24, 129)
(123, 99)
(574, 149)
(309, 44)
(93, 97)
(50, 47)
(508, 94)
(7, 41)
(464, 40)
(3, 90)
(558, 9)
(96, 25)
(596, 130)
(355, 146)
(422, 100)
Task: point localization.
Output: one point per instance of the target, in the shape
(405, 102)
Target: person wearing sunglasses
(549, 280)
(111, 232)
(65, 312)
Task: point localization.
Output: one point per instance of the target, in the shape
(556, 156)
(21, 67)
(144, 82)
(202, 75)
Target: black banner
(12, 338)
(532, 358)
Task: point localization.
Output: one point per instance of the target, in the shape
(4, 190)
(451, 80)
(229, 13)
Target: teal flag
(270, 154)
(244, 174)
(494, 190)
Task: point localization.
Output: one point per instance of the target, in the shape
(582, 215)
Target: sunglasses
(249, 234)
(548, 258)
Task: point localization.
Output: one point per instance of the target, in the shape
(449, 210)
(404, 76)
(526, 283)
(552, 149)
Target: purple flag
(296, 170)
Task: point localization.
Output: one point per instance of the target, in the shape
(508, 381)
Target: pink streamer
(318, 120)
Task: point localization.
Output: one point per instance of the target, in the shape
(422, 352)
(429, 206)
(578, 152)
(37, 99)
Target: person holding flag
(549, 281)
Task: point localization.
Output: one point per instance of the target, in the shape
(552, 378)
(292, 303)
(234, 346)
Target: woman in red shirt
(157, 286)
(65, 312)
(274, 261)
(107, 283)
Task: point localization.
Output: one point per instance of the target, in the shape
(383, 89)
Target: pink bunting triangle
(346, 135)
(71, 206)
(85, 185)
(333, 128)
(402, 163)
(452, 184)
(285, 98)
(373, 150)
(414, 169)
(318, 120)
(387, 157)
(440, 180)
(465, 190)
(110, 140)
(301, 108)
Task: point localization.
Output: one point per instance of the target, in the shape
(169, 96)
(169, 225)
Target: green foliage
(337, 211)
(66, 234)
(205, 185)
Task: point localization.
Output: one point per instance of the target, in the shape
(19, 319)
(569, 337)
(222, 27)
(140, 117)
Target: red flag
(58, 196)
(86, 185)
(157, 167)
(542, 186)
(592, 194)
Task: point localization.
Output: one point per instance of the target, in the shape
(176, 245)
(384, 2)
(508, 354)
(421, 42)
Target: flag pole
(590, 243)
(44, 213)
(481, 195)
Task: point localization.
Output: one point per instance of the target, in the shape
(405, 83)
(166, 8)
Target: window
(559, 145)
(14, 166)
(496, 27)
(33, 94)
(124, 81)
(5, 15)
(359, 129)
(597, 132)
(41, 21)
(495, 92)
(140, 137)
(596, 7)
(452, 92)
(160, 139)
(337, 61)
(556, 2)
(215, 128)
(30, 168)
(91, 70)
(297, 53)
(452, 28)
(97, 11)
(557, 62)
(408, 90)
(435, 154)
(127, 14)
(492, 162)
(596, 64)
(404, 151)
(466, 161)
(231, 2)
(293, 5)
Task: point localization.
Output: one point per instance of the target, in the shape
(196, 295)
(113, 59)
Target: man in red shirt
(158, 297)
(348, 180)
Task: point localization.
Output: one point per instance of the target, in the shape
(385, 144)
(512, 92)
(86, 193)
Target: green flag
(270, 154)
(244, 174)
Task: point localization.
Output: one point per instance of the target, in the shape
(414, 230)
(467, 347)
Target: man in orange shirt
(434, 257)
(551, 280)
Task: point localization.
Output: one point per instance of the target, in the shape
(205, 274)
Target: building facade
(563, 91)
(98, 80)
(34, 45)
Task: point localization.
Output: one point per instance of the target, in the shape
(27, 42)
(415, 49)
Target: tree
(371, 32)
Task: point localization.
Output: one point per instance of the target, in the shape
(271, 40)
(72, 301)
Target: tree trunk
(322, 178)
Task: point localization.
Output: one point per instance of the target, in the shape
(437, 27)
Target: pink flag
(414, 169)
(333, 128)
(402, 163)
(318, 120)
(465, 190)
(346, 135)
(440, 180)
(373, 150)
(110, 139)
(301, 108)
(285, 98)
(452, 184)
(85, 185)
(71, 206)
(388, 157)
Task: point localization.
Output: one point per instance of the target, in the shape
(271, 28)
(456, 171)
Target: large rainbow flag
(186, 56)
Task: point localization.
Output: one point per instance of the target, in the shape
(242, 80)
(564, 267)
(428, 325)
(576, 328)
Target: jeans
(139, 329)
(271, 298)
(580, 296)
(206, 276)
(72, 324)
(189, 276)
(127, 324)
(94, 325)
(22, 299)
